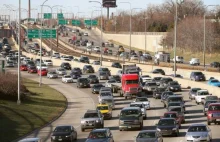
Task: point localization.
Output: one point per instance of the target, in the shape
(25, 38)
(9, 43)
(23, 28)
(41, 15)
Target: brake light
(210, 115)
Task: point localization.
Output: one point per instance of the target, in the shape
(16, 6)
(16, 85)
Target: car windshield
(157, 78)
(102, 107)
(203, 93)
(145, 76)
(179, 110)
(83, 80)
(97, 135)
(174, 104)
(214, 81)
(62, 129)
(197, 129)
(52, 73)
(194, 90)
(151, 84)
(98, 86)
(174, 83)
(88, 67)
(67, 76)
(48, 61)
(66, 64)
(116, 77)
(137, 105)
(32, 67)
(61, 70)
(176, 99)
(92, 76)
(198, 73)
(214, 107)
(170, 115)
(130, 113)
(112, 81)
(132, 81)
(105, 94)
(166, 122)
(104, 69)
(211, 98)
(103, 73)
(209, 102)
(141, 99)
(147, 135)
(91, 115)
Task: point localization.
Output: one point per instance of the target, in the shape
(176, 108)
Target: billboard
(109, 3)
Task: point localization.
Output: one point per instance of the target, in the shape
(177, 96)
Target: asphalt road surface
(83, 99)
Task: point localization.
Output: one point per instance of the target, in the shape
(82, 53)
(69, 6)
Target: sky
(85, 6)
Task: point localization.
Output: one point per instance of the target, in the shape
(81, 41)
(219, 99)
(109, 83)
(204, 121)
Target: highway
(83, 99)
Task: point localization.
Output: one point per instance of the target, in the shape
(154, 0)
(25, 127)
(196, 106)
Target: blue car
(214, 82)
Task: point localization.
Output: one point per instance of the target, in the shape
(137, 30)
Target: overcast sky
(86, 7)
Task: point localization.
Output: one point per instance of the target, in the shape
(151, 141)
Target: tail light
(210, 114)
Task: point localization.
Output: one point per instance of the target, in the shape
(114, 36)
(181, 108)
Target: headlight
(53, 137)
(174, 129)
(171, 87)
(82, 121)
(68, 136)
(142, 109)
(121, 122)
(158, 129)
(97, 121)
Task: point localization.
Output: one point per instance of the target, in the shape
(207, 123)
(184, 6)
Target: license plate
(59, 139)
(90, 124)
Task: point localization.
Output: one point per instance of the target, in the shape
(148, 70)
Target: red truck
(130, 82)
(213, 113)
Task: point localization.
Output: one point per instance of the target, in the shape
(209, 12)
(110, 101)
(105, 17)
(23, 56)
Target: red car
(43, 72)
(213, 113)
(173, 114)
(32, 70)
(23, 67)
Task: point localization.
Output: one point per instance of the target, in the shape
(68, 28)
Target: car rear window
(91, 115)
(214, 107)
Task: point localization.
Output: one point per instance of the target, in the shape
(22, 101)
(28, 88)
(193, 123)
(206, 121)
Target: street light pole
(175, 30)
(40, 82)
(19, 42)
(145, 29)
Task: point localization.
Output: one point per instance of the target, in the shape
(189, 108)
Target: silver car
(61, 71)
(103, 76)
(105, 95)
(150, 86)
(52, 74)
(141, 106)
(198, 132)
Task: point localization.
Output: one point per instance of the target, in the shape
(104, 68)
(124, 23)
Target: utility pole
(19, 47)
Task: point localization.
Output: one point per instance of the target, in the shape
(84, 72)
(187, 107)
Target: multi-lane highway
(83, 99)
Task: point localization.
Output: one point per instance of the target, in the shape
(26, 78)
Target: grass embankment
(39, 108)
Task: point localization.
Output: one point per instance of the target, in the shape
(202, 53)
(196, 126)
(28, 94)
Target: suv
(174, 99)
(197, 76)
(130, 118)
(66, 65)
(83, 82)
(213, 113)
(92, 119)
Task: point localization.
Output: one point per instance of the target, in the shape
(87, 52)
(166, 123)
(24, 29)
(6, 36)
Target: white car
(86, 34)
(134, 57)
(48, 62)
(201, 95)
(146, 78)
(61, 71)
(179, 59)
(88, 44)
(43, 66)
(67, 79)
(194, 61)
(144, 100)
(64, 57)
(96, 49)
(109, 82)
(89, 49)
(22, 57)
(73, 31)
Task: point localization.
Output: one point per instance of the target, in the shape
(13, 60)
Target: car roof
(102, 105)
(203, 90)
(91, 111)
(200, 124)
(167, 118)
(144, 131)
(129, 108)
(100, 130)
(170, 112)
(29, 140)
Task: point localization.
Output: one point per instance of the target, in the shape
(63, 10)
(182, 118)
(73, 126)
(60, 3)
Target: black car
(84, 59)
(96, 88)
(88, 69)
(115, 77)
(165, 95)
(63, 134)
(116, 65)
(158, 91)
(76, 69)
(158, 71)
(197, 76)
(75, 75)
(66, 65)
(215, 64)
(174, 86)
(168, 126)
(93, 79)
(105, 70)
(83, 82)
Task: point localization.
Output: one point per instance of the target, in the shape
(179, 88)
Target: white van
(194, 61)
(179, 59)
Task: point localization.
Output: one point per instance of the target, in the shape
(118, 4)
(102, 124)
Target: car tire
(82, 129)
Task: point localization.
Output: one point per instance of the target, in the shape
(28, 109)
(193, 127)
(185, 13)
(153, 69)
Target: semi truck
(130, 82)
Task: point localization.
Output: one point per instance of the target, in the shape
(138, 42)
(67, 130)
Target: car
(179, 110)
(32, 69)
(143, 100)
(66, 65)
(174, 98)
(119, 73)
(192, 92)
(165, 95)
(89, 48)
(175, 104)
(109, 82)
(206, 105)
(30, 140)
(102, 69)
(61, 71)
(96, 63)
(23, 67)
(96, 88)
(130, 118)
(97, 49)
(174, 86)
(176, 76)
(85, 34)
(134, 57)
(103, 75)
(9, 64)
(42, 72)
(83, 82)
(213, 113)
(214, 82)
(48, 62)
(92, 119)
(158, 92)
(43, 66)
(93, 79)
(104, 95)
(105, 89)
(197, 76)
(201, 95)
(168, 126)
(52, 74)
(88, 69)
(149, 136)
(67, 79)
(158, 71)
(194, 62)
(116, 65)
(65, 58)
(198, 132)
(76, 69)
(141, 106)
(105, 110)
(100, 135)
(175, 115)
(149, 86)
(64, 133)
(211, 97)
(157, 80)
(164, 81)
(117, 78)
(215, 64)
(75, 75)
(146, 78)
(84, 59)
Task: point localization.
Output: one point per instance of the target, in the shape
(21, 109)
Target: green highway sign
(46, 33)
(91, 22)
(60, 16)
(47, 16)
(62, 22)
(75, 22)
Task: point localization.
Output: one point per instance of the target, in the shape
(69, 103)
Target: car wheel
(82, 129)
